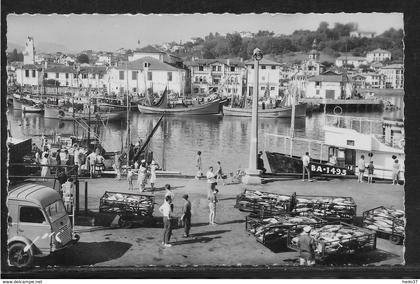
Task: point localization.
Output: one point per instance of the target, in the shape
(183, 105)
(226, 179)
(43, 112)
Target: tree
(15, 56)
(83, 58)
(234, 43)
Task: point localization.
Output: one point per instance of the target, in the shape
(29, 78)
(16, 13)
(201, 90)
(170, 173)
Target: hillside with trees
(332, 41)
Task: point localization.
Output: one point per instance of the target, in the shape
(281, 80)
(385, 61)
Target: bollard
(77, 198)
(86, 197)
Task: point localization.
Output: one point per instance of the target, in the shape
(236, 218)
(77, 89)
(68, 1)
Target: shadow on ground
(195, 240)
(220, 223)
(86, 254)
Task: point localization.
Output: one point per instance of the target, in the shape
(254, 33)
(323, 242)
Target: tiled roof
(31, 66)
(393, 66)
(154, 65)
(351, 58)
(232, 62)
(59, 69)
(263, 62)
(93, 70)
(328, 78)
(380, 51)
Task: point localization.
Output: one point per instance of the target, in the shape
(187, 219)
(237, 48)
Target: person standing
(58, 157)
(166, 211)
(153, 167)
(370, 171)
(141, 179)
(198, 164)
(45, 163)
(67, 192)
(305, 166)
(117, 165)
(395, 171)
(306, 245)
(77, 160)
(211, 178)
(186, 216)
(92, 164)
(361, 165)
(219, 173)
(170, 193)
(212, 198)
(130, 174)
(260, 163)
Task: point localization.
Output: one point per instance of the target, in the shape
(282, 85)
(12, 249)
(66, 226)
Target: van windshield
(55, 210)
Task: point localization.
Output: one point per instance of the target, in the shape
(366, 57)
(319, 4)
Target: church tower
(314, 54)
(29, 51)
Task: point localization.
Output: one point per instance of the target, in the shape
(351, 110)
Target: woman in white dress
(45, 170)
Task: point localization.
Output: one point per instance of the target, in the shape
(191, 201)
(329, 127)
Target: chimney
(228, 62)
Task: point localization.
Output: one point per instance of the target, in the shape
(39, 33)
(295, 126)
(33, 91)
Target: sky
(110, 32)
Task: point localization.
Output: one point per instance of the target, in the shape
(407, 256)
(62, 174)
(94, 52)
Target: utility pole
(128, 121)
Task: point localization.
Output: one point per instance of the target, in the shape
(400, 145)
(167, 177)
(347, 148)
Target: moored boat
(266, 113)
(67, 114)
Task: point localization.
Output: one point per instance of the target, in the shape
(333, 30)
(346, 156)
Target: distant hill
(40, 47)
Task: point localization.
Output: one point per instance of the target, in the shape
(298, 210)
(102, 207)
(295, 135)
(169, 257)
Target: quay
(227, 243)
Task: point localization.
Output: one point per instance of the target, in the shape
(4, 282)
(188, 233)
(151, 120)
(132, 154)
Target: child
(130, 178)
(370, 171)
(219, 173)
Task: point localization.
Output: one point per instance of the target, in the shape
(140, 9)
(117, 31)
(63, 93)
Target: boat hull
(282, 112)
(56, 113)
(205, 109)
(31, 109)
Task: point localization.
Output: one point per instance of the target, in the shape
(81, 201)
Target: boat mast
(128, 120)
(292, 121)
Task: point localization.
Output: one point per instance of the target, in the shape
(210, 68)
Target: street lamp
(252, 174)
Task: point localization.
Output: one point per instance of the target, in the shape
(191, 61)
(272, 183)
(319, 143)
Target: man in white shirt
(305, 168)
(166, 211)
(211, 178)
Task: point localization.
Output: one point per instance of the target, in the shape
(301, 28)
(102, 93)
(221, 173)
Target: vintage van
(38, 224)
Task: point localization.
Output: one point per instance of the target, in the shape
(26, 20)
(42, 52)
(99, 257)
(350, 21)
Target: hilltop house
(362, 34)
(374, 80)
(356, 61)
(378, 55)
(329, 85)
(146, 73)
(150, 51)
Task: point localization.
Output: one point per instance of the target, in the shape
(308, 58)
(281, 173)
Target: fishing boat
(342, 147)
(68, 113)
(279, 112)
(163, 107)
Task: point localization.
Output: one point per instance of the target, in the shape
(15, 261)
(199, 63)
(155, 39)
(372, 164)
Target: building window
(200, 68)
(213, 68)
(67, 83)
(317, 92)
(202, 90)
(273, 67)
(252, 66)
(201, 79)
(27, 73)
(121, 75)
(204, 80)
(67, 75)
(232, 69)
(134, 90)
(229, 90)
(169, 76)
(57, 75)
(350, 142)
(84, 76)
(149, 76)
(33, 74)
(272, 88)
(318, 84)
(45, 75)
(262, 88)
(219, 68)
(262, 66)
(196, 79)
(195, 90)
(133, 75)
(101, 76)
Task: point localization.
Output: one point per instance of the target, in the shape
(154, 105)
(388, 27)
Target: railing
(360, 124)
(393, 142)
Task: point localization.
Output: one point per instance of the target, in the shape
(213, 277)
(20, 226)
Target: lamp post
(252, 174)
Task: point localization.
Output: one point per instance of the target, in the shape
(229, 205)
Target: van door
(34, 226)
(12, 219)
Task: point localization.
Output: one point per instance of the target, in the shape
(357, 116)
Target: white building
(374, 80)
(216, 75)
(329, 85)
(269, 77)
(104, 59)
(361, 34)
(146, 73)
(378, 55)
(394, 76)
(356, 61)
(28, 75)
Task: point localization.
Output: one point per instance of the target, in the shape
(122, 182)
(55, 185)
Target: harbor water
(177, 140)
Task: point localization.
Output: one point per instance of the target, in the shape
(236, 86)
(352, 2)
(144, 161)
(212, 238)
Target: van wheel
(18, 257)
(396, 240)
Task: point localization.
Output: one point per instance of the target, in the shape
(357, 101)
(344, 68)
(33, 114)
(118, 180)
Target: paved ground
(226, 243)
